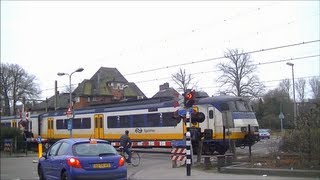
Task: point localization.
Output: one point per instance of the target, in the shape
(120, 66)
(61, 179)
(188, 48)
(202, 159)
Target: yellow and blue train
(152, 123)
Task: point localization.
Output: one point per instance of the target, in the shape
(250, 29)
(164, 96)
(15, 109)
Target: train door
(14, 124)
(50, 128)
(98, 126)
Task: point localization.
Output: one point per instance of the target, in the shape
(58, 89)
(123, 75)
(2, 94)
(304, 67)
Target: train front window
(239, 106)
(242, 106)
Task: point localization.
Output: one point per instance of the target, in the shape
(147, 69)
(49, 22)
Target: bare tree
(300, 87)
(285, 85)
(182, 79)
(16, 83)
(315, 87)
(238, 75)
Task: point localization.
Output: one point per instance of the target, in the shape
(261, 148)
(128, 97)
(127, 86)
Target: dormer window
(119, 86)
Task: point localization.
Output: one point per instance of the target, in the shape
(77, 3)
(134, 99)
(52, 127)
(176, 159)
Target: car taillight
(121, 161)
(74, 162)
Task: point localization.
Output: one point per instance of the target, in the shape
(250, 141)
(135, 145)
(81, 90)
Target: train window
(124, 121)
(59, 124)
(95, 122)
(76, 123)
(138, 120)
(224, 107)
(112, 121)
(7, 124)
(243, 106)
(211, 114)
(86, 123)
(153, 120)
(101, 121)
(232, 105)
(167, 119)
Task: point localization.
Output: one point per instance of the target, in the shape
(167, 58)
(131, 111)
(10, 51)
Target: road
(14, 168)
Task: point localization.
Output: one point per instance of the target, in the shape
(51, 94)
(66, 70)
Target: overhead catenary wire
(264, 63)
(222, 57)
(269, 62)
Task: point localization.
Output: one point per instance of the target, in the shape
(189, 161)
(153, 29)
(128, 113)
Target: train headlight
(244, 129)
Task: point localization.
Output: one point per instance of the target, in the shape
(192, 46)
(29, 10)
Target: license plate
(103, 165)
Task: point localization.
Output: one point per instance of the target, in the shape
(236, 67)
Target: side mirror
(44, 154)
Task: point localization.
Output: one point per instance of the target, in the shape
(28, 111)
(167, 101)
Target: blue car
(82, 159)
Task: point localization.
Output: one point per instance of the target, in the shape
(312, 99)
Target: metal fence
(12, 146)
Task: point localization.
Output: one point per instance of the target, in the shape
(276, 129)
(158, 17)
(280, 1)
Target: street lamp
(294, 97)
(70, 95)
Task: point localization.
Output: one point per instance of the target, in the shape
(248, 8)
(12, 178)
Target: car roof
(78, 140)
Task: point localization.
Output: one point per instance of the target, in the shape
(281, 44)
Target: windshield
(239, 105)
(93, 149)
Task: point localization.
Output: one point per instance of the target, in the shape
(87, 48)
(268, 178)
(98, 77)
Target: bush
(12, 133)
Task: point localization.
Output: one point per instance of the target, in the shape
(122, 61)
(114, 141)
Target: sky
(148, 41)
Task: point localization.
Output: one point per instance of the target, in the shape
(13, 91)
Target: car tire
(40, 173)
(64, 175)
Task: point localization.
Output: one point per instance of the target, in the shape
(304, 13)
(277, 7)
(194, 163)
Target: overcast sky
(48, 37)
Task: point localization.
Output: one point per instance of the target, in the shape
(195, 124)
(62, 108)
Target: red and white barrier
(146, 144)
(178, 157)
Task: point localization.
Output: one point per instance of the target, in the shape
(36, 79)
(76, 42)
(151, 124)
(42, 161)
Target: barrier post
(39, 150)
(39, 147)
(188, 153)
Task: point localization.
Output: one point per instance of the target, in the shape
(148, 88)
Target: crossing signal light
(198, 117)
(189, 98)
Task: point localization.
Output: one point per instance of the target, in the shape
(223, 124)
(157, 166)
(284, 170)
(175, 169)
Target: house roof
(98, 84)
(63, 102)
(169, 92)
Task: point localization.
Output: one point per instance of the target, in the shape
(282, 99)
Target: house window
(77, 99)
(88, 99)
(139, 97)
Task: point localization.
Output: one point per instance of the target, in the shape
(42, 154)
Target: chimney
(164, 86)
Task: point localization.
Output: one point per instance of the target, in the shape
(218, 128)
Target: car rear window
(93, 149)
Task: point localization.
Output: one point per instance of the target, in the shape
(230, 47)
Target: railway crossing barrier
(7, 147)
(178, 157)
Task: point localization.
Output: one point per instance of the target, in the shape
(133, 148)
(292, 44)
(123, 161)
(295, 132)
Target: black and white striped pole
(188, 144)
(189, 100)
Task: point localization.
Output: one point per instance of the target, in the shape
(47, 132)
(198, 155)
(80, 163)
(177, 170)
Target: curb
(271, 172)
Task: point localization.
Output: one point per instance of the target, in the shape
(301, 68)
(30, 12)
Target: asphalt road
(14, 168)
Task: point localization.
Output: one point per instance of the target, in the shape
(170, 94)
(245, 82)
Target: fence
(12, 146)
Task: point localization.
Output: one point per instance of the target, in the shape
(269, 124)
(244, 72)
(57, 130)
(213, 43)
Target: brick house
(107, 85)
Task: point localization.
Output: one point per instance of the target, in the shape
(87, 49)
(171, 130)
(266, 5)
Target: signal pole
(189, 100)
(188, 143)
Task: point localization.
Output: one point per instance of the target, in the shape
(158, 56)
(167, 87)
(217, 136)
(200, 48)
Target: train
(152, 123)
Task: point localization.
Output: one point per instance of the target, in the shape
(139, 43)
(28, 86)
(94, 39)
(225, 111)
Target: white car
(264, 134)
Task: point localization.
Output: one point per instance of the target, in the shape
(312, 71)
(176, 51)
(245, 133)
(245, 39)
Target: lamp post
(70, 95)
(294, 96)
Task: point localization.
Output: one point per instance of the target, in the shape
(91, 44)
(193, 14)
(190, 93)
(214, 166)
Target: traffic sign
(69, 112)
(69, 125)
(39, 139)
(281, 115)
(182, 112)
